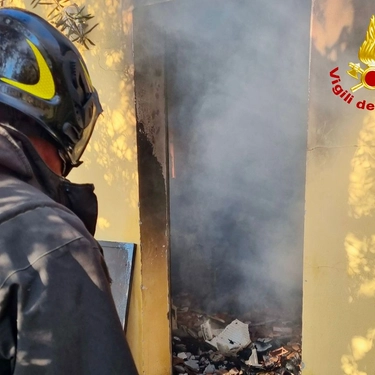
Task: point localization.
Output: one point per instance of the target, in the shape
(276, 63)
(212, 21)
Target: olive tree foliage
(71, 19)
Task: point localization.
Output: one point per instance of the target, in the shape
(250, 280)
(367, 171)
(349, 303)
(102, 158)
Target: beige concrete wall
(339, 263)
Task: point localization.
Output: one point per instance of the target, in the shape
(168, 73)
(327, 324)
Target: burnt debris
(220, 344)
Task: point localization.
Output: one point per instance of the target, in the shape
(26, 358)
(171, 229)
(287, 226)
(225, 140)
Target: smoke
(237, 87)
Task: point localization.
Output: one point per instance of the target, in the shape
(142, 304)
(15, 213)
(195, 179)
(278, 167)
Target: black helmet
(43, 76)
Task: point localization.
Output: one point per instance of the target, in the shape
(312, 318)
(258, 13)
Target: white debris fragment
(207, 330)
(233, 338)
(263, 344)
(192, 364)
(182, 355)
(253, 359)
(210, 369)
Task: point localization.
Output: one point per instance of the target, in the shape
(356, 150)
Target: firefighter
(57, 314)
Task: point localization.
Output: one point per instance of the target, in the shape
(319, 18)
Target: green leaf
(89, 31)
(90, 41)
(53, 17)
(84, 43)
(72, 25)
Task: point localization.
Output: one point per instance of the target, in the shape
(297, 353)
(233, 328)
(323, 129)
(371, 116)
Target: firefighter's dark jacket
(57, 314)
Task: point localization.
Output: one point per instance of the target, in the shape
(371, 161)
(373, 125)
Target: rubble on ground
(206, 344)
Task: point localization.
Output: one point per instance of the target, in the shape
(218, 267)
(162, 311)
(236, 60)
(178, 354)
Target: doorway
(231, 80)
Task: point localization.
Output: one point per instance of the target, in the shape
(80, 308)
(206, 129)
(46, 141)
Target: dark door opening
(236, 92)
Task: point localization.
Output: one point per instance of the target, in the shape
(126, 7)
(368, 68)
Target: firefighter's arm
(68, 322)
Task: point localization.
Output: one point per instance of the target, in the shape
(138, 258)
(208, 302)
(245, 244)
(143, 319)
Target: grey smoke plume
(237, 86)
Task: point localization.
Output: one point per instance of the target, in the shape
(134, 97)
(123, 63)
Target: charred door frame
(152, 144)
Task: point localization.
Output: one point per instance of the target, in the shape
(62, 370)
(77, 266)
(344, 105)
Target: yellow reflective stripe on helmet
(45, 87)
